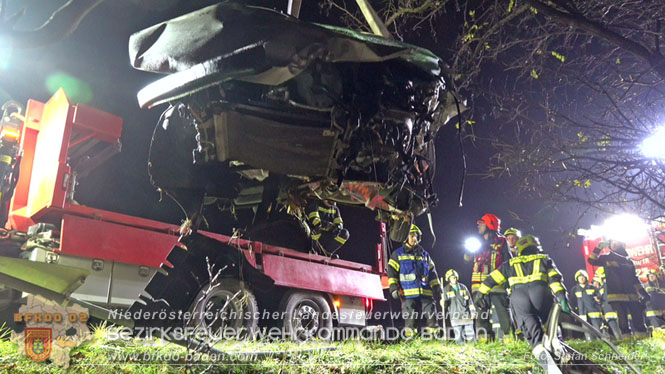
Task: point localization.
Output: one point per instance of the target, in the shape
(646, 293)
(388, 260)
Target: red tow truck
(104, 260)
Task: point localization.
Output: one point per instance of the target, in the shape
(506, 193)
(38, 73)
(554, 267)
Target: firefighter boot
(545, 360)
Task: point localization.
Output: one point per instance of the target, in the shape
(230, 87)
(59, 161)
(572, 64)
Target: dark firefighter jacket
(459, 303)
(322, 218)
(489, 259)
(525, 270)
(586, 301)
(413, 271)
(621, 283)
(657, 294)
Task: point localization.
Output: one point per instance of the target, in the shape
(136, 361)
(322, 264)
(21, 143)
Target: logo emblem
(38, 343)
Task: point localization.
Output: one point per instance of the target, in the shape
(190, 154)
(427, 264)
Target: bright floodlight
(654, 146)
(472, 244)
(624, 227)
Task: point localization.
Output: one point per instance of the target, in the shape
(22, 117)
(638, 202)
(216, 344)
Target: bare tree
(399, 16)
(574, 87)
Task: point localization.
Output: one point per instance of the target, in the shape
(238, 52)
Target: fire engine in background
(645, 243)
(54, 247)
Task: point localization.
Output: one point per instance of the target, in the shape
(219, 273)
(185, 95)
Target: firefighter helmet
(526, 242)
(415, 229)
(451, 273)
(491, 221)
(600, 272)
(512, 231)
(598, 279)
(619, 245)
(581, 272)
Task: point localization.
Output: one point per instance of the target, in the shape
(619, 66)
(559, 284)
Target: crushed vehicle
(268, 109)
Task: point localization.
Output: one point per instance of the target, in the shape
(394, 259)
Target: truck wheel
(226, 308)
(399, 229)
(306, 316)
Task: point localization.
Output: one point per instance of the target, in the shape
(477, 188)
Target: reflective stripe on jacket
(489, 259)
(524, 270)
(322, 218)
(586, 300)
(621, 283)
(459, 303)
(413, 271)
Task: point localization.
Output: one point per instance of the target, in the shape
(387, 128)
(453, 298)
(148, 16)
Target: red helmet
(493, 222)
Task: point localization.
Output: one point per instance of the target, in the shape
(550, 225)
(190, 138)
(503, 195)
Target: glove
(481, 301)
(327, 226)
(644, 297)
(395, 294)
(564, 305)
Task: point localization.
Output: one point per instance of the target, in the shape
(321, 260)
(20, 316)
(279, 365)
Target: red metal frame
(54, 128)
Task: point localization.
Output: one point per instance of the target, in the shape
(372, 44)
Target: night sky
(96, 54)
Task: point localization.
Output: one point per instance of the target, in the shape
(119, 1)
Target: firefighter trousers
(623, 308)
(417, 308)
(655, 318)
(464, 333)
(654, 315)
(499, 306)
(596, 322)
(611, 319)
(531, 304)
(332, 240)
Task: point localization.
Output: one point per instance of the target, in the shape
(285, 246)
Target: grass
(102, 356)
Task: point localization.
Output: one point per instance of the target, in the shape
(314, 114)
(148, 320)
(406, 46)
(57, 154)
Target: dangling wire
(461, 144)
(161, 191)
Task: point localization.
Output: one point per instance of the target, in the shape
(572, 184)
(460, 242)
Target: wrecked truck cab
(327, 112)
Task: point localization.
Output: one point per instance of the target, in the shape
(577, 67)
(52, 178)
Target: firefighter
(588, 301)
(656, 306)
(611, 317)
(512, 235)
(461, 310)
(490, 257)
(327, 227)
(624, 291)
(413, 279)
(528, 276)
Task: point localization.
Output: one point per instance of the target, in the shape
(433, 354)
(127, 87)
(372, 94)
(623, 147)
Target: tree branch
(655, 59)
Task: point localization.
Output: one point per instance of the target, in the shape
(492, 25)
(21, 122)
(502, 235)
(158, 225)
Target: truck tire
(231, 307)
(307, 316)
